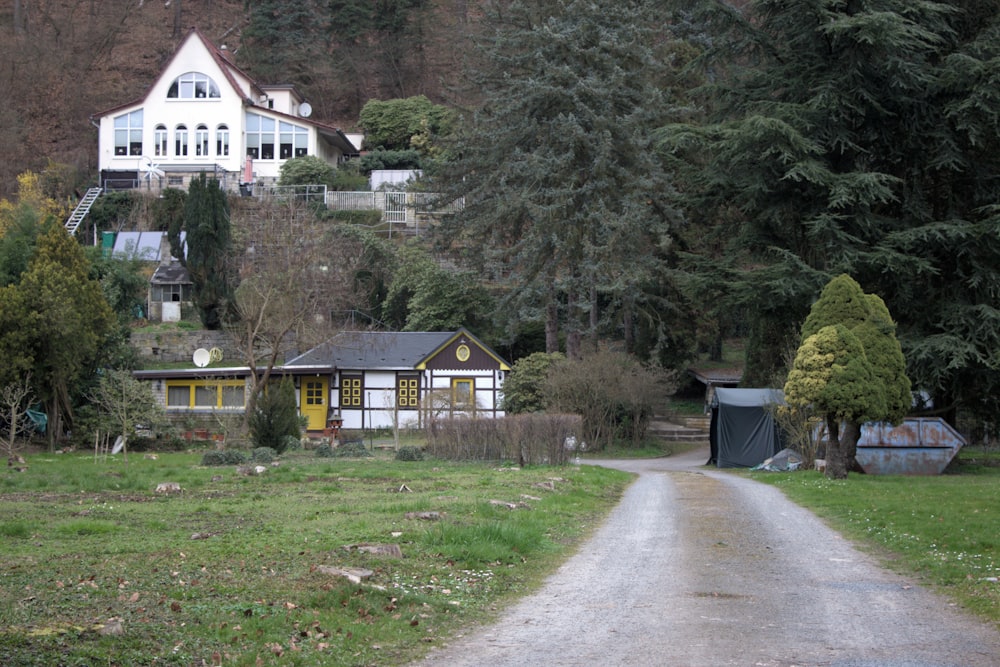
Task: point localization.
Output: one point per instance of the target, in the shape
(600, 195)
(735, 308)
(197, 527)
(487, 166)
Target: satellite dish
(215, 354)
(150, 168)
(305, 109)
(202, 357)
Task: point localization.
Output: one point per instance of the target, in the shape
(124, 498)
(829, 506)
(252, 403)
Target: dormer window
(193, 86)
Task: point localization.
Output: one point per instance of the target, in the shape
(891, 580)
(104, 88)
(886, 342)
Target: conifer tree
(564, 200)
(860, 137)
(206, 216)
(849, 369)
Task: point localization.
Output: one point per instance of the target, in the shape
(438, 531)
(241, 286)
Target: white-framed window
(222, 141)
(160, 141)
(201, 141)
(128, 133)
(193, 86)
(293, 141)
(181, 141)
(260, 137)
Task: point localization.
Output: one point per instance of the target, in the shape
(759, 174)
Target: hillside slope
(64, 60)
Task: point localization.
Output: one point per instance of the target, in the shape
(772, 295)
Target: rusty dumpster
(918, 446)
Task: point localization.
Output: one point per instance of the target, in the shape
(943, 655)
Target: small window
(201, 141)
(222, 141)
(350, 392)
(160, 141)
(181, 141)
(462, 393)
(408, 392)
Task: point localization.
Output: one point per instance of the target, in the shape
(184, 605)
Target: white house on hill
(205, 114)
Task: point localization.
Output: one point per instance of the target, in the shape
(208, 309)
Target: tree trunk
(552, 325)
(836, 455)
(19, 17)
(177, 19)
(849, 443)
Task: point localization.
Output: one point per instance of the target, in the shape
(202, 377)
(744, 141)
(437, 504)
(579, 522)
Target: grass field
(98, 569)
(945, 529)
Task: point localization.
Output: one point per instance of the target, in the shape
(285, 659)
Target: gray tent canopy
(743, 433)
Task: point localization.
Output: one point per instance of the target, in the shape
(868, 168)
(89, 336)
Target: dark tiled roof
(717, 376)
(174, 273)
(372, 350)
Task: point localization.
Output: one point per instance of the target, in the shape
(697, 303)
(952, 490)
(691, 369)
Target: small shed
(743, 432)
(169, 288)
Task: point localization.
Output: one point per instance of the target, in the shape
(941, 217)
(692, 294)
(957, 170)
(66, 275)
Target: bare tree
(15, 398)
(125, 403)
(294, 272)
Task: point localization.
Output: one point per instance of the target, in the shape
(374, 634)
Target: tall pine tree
(564, 199)
(206, 216)
(856, 136)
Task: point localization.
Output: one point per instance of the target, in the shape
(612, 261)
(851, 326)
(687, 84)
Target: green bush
(409, 453)
(263, 455)
(292, 443)
(351, 450)
(225, 457)
(275, 417)
(325, 451)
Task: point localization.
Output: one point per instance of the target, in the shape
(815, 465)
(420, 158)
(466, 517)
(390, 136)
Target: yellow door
(314, 401)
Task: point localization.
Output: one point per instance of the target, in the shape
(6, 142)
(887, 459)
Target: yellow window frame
(351, 391)
(408, 392)
(197, 388)
(463, 398)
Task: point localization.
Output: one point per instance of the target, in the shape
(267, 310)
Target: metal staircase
(81, 210)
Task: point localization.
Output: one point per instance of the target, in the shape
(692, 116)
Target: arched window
(128, 133)
(160, 140)
(181, 141)
(222, 141)
(193, 86)
(201, 141)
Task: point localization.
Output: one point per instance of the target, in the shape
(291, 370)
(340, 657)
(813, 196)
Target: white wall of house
(223, 111)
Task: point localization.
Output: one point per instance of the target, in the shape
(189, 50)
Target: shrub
(409, 453)
(292, 443)
(351, 450)
(225, 457)
(524, 388)
(263, 455)
(615, 394)
(325, 451)
(528, 439)
(275, 417)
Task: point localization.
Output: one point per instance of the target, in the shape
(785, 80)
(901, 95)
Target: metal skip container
(918, 446)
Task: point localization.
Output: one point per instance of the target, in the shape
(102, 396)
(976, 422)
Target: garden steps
(680, 429)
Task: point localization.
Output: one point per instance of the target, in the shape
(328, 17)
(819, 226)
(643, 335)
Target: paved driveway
(699, 568)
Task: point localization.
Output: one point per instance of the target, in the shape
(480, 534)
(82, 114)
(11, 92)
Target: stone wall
(179, 345)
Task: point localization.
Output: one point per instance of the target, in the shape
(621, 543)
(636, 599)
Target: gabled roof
(332, 134)
(371, 350)
(228, 69)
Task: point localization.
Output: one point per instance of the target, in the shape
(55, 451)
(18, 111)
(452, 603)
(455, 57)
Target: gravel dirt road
(699, 568)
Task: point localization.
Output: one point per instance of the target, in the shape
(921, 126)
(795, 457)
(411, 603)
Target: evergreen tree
(564, 200)
(68, 318)
(274, 416)
(860, 137)
(849, 369)
(206, 216)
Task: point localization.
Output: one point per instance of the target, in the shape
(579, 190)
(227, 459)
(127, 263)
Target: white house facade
(203, 114)
(358, 380)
